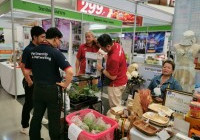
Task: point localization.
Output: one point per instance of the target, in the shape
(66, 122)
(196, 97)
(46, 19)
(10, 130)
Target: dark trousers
(28, 105)
(46, 97)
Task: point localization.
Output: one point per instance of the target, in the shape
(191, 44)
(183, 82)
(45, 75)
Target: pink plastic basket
(104, 135)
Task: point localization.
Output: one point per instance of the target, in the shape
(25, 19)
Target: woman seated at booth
(160, 83)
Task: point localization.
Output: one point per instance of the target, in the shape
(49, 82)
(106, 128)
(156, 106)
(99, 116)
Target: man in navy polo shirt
(44, 61)
(116, 69)
(38, 36)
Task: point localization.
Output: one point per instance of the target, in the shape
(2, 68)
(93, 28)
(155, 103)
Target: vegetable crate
(104, 135)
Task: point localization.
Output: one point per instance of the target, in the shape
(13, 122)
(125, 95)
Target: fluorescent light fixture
(97, 26)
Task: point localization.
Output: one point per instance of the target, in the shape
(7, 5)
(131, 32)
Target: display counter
(7, 78)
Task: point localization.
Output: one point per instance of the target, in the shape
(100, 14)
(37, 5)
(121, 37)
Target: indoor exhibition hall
(99, 69)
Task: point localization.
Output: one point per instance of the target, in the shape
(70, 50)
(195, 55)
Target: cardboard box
(194, 123)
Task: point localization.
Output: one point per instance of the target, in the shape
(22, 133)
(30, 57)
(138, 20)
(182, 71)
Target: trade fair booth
(148, 36)
(40, 13)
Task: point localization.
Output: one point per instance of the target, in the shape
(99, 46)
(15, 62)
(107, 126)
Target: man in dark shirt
(38, 36)
(44, 61)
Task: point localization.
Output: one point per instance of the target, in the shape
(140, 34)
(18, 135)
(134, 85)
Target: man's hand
(62, 84)
(68, 78)
(30, 83)
(99, 67)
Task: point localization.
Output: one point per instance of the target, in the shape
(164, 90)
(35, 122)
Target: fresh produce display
(78, 94)
(90, 123)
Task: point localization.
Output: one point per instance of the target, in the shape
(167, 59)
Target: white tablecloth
(137, 135)
(7, 78)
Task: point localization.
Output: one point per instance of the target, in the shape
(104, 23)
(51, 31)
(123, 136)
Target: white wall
(7, 30)
(8, 35)
(19, 36)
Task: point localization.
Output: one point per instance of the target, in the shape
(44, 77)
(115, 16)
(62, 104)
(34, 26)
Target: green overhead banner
(68, 14)
(5, 7)
(101, 20)
(138, 29)
(115, 30)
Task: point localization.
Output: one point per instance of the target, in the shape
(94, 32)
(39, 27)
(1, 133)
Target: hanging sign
(91, 8)
(63, 13)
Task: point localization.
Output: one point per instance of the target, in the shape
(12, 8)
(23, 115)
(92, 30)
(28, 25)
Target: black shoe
(41, 139)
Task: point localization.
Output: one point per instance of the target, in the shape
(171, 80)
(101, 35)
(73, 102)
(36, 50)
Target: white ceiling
(69, 4)
(22, 17)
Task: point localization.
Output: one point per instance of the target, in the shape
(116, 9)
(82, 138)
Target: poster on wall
(128, 36)
(155, 42)
(91, 8)
(148, 72)
(46, 24)
(140, 43)
(76, 35)
(64, 26)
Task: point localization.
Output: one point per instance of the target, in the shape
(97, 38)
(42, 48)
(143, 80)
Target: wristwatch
(102, 70)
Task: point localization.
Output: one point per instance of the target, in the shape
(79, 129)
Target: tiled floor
(10, 117)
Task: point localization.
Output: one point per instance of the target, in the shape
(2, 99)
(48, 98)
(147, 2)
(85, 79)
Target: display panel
(140, 43)
(155, 42)
(64, 26)
(178, 101)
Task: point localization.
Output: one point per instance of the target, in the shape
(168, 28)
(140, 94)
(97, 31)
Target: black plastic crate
(78, 105)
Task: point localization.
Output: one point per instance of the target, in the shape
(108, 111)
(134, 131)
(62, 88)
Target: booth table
(7, 78)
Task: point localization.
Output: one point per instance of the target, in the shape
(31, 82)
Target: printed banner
(140, 43)
(63, 25)
(91, 8)
(155, 42)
